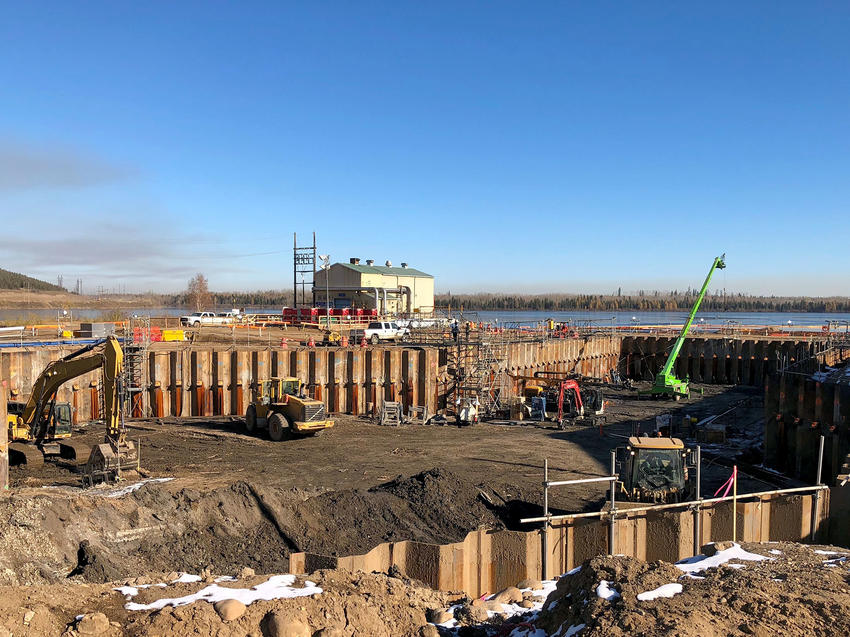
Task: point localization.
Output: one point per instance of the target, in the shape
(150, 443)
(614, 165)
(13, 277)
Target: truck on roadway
(378, 331)
(197, 319)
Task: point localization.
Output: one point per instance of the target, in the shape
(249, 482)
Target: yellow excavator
(42, 427)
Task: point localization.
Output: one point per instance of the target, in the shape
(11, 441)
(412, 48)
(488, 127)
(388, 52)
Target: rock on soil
(794, 593)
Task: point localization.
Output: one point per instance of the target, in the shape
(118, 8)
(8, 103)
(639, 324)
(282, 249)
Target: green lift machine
(666, 383)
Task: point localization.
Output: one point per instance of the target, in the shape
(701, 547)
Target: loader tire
(278, 427)
(251, 419)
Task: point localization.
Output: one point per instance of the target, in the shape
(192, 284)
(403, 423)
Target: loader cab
(655, 470)
(278, 390)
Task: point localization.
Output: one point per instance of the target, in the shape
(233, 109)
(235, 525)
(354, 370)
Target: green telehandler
(666, 383)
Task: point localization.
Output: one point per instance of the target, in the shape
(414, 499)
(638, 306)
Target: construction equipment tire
(251, 419)
(277, 427)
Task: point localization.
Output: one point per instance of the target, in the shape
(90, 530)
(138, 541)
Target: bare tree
(198, 293)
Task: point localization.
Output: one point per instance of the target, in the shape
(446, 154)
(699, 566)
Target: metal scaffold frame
(303, 263)
(137, 342)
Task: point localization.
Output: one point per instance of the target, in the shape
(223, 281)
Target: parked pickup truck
(197, 319)
(378, 331)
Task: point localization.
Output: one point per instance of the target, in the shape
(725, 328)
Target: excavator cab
(59, 419)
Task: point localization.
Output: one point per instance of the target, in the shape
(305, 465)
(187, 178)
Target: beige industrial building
(392, 290)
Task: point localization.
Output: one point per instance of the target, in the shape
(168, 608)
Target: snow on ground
(820, 552)
(118, 493)
(605, 591)
(667, 590)
(276, 587)
(775, 552)
(699, 563)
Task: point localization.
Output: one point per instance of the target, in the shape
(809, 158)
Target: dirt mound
(794, 591)
(349, 604)
(159, 527)
(448, 506)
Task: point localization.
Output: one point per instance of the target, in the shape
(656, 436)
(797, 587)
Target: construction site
(289, 474)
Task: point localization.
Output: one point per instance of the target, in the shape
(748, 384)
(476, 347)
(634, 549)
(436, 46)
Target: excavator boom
(61, 371)
(115, 453)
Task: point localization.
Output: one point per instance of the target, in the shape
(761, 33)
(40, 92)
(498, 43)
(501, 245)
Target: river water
(797, 320)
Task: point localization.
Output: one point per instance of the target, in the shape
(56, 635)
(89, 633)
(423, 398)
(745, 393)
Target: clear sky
(501, 146)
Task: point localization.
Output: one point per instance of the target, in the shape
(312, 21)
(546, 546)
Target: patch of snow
(186, 578)
(573, 571)
(604, 591)
(452, 623)
(522, 631)
(667, 590)
(572, 630)
(118, 493)
(276, 587)
(700, 563)
(225, 578)
(820, 552)
(775, 552)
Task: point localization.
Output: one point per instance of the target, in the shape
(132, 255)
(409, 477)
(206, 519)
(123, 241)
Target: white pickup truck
(197, 319)
(378, 331)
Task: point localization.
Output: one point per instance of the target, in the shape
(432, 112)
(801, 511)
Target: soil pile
(349, 604)
(160, 527)
(796, 590)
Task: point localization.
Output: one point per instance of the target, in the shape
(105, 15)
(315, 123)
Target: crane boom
(666, 382)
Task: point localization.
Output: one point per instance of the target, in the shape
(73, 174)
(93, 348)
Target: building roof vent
(404, 265)
(389, 263)
(370, 261)
(354, 261)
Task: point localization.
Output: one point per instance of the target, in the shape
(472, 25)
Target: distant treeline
(14, 281)
(267, 298)
(650, 301)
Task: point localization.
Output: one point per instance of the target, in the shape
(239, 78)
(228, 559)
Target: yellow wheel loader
(655, 470)
(280, 406)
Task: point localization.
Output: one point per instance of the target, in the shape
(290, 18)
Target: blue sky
(501, 146)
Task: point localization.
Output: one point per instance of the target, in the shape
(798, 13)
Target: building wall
(422, 289)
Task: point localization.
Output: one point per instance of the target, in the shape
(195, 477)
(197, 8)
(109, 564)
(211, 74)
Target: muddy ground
(233, 500)
(794, 590)
(207, 454)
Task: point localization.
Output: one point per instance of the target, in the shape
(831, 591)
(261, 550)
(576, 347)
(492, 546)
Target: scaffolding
(303, 264)
(479, 373)
(137, 341)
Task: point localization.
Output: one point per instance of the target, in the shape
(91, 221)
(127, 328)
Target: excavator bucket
(109, 459)
(23, 453)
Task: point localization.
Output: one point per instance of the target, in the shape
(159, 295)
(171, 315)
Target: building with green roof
(395, 290)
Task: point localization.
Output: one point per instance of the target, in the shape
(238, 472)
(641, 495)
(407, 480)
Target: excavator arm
(109, 358)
